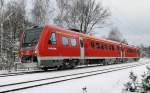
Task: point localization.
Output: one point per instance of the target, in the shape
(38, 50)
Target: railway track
(46, 81)
(41, 71)
(19, 73)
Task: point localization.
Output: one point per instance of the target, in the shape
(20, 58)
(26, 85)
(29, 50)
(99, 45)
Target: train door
(122, 53)
(81, 48)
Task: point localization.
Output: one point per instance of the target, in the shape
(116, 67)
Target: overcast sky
(132, 17)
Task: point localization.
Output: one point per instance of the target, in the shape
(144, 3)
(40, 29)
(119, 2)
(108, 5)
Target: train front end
(28, 51)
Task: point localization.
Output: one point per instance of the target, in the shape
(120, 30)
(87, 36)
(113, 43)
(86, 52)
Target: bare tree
(62, 7)
(17, 19)
(41, 11)
(116, 35)
(62, 10)
(84, 15)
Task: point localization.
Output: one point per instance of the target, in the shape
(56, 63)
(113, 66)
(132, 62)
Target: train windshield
(31, 37)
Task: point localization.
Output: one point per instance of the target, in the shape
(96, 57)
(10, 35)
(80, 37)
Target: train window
(73, 42)
(65, 41)
(97, 45)
(92, 44)
(109, 47)
(112, 47)
(102, 46)
(52, 39)
(118, 48)
(31, 37)
(128, 50)
(106, 47)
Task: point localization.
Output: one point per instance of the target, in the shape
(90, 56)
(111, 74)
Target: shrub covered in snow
(132, 84)
(143, 86)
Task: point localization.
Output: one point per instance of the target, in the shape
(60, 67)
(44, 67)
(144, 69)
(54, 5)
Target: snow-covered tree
(116, 35)
(139, 86)
(132, 84)
(1, 36)
(13, 23)
(1, 3)
(145, 86)
(145, 51)
(41, 11)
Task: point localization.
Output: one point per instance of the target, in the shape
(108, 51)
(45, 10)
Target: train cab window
(92, 44)
(52, 39)
(65, 41)
(73, 42)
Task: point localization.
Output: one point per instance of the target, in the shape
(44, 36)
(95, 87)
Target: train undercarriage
(59, 64)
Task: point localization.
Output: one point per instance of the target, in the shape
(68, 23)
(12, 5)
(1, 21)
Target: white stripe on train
(61, 58)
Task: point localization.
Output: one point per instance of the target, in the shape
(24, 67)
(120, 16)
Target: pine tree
(146, 81)
(132, 84)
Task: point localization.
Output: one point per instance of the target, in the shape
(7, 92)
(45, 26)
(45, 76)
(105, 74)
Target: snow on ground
(112, 82)
(27, 77)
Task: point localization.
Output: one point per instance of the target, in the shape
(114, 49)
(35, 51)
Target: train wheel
(45, 68)
(72, 65)
(104, 62)
(61, 67)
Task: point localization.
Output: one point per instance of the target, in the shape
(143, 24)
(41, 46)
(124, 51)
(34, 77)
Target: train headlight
(21, 53)
(35, 52)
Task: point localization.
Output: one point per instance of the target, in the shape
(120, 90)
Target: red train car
(53, 46)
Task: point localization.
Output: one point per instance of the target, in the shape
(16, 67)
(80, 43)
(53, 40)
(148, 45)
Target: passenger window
(97, 45)
(52, 39)
(92, 44)
(102, 47)
(65, 41)
(106, 47)
(112, 48)
(109, 47)
(73, 42)
(118, 48)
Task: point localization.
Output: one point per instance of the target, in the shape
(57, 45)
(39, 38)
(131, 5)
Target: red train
(55, 47)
